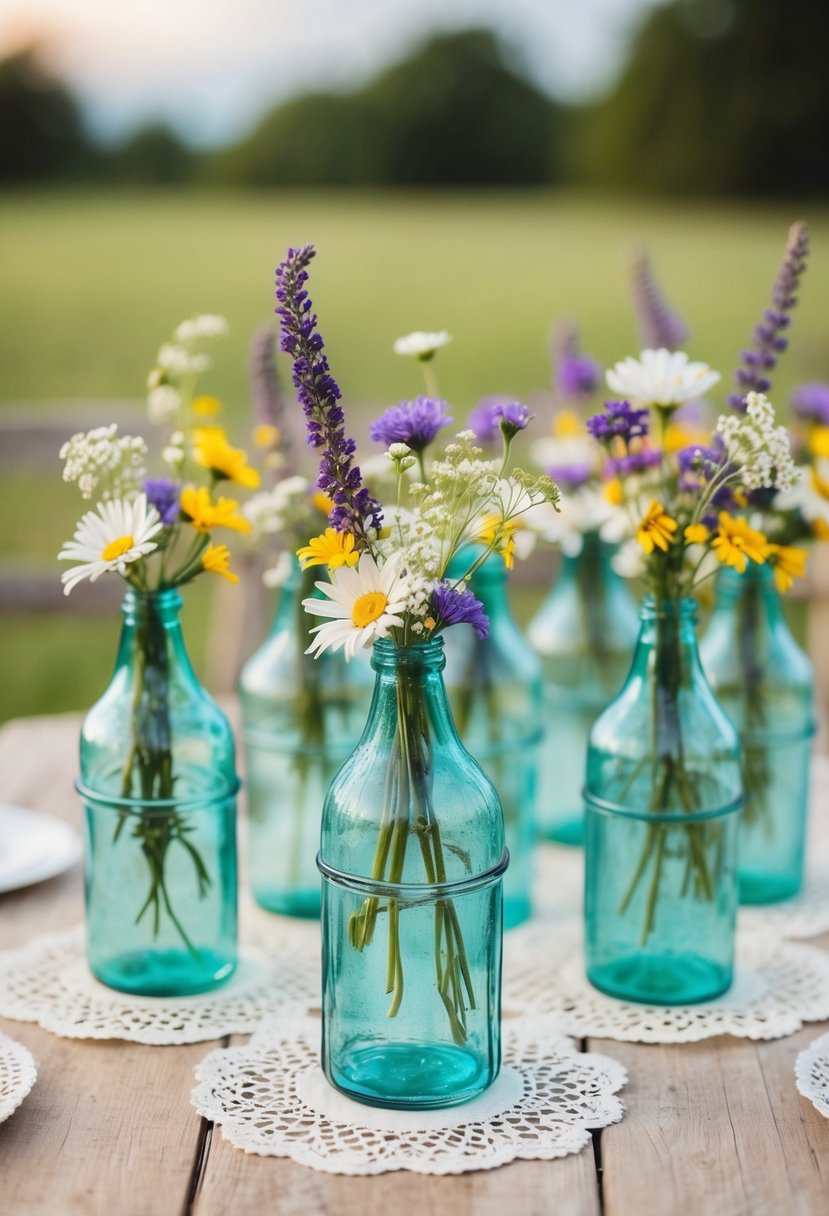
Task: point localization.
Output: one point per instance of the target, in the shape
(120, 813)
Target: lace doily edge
(802, 1069)
(29, 1077)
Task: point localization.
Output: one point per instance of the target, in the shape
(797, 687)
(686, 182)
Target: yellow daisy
(500, 533)
(736, 544)
(819, 440)
(789, 563)
(567, 425)
(696, 534)
(266, 436)
(216, 560)
(656, 531)
(322, 502)
(332, 549)
(205, 514)
(613, 492)
(206, 407)
(212, 451)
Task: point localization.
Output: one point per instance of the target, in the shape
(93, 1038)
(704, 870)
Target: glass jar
(495, 692)
(158, 783)
(765, 683)
(584, 633)
(301, 718)
(662, 798)
(412, 856)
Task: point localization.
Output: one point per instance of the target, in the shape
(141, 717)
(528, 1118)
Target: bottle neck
(589, 571)
(151, 634)
(409, 688)
(667, 650)
(751, 595)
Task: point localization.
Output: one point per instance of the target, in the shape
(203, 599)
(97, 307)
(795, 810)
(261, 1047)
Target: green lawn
(91, 284)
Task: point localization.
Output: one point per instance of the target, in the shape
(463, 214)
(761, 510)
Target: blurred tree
(456, 112)
(153, 155)
(718, 97)
(41, 132)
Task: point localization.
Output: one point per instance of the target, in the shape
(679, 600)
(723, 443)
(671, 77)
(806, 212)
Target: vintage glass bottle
(584, 633)
(663, 795)
(158, 783)
(495, 692)
(301, 718)
(765, 683)
(412, 856)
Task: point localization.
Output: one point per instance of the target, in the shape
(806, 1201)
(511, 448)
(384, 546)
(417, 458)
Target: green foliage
(152, 156)
(41, 134)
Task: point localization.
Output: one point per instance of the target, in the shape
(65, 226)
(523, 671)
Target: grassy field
(91, 284)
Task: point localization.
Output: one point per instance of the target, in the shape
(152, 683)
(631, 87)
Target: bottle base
(757, 887)
(410, 1076)
(164, 972)
(567, 831)
(305, 905)
(667, 979)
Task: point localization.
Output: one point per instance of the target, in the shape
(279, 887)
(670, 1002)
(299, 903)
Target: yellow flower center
(367, 608)
(117, 548)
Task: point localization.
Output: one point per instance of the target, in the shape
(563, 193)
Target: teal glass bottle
(765, 683)
(662, 797)
(584, 633)
(412, 857)
(495, 692)
(301, 718)
(158, 783)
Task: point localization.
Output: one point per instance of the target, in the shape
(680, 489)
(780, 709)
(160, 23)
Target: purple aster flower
(620, 421)
(570, 476)
(495, 416)
(634, 463)
(811, 403)
(757, 364)
(577, 376)
(319, 395)
(659, 324)
(163, 494)
(412, 422)
(697, 465)
(453, 607)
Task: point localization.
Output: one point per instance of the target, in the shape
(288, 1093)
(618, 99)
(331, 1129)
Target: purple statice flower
(577, 376)
(620, 420)
(634, 463)
(659, 324)
(697, 465)
(811, 403)
(415, 423)
(756, 365)
(163, 494)
(494, 416)
(319, 395)
(451, 606)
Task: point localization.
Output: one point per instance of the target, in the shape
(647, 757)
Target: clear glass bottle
(412, 856)
(584, 633)
(495, 692)
(765, 683)
(301, 719)
(663, 795)
(158, 782)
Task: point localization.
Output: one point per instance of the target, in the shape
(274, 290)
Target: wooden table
(711, 1128)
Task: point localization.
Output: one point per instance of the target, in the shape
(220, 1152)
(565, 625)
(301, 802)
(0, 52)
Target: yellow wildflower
(500, 534)
(678, 437)
(819, 441)
(567, 425)
(205, 514)
(613, 492)
(331, 549)
(736, 544)
(266, 436)
(656, 531)
(216, 559)
(206, 407)
(212, 451)
(789, 563)
(820, 485)
(322, 502)
(820, 529)
(696, 534)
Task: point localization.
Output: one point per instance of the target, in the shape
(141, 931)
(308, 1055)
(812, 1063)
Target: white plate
(34, 847)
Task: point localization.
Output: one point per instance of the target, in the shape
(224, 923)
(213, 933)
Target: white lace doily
(17, 1075)
(271, 1098)
(777, 987)
(47, 981)
(811, 1071)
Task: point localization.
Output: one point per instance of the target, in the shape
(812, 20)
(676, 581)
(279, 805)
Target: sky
(210, 67)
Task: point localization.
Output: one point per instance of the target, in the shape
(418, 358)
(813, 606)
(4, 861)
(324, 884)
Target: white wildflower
(420, 345)
(280, 572)
(365, 602)
(104, 463)
(205, 327)
(110, 538)
(661, 378)
(179, 361)
(163, 403)
(758, 446)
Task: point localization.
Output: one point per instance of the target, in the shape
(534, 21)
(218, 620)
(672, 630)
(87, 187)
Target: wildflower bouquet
(388, 565)
(158, 533)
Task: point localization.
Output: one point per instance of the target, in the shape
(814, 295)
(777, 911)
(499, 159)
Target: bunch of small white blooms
(418, 601)
(104, 463)
(285, 508)
(178, 363)
(459, 488)
(163, 401)
(174, 452)
(202, 328)
(406, 531)
(758, 446)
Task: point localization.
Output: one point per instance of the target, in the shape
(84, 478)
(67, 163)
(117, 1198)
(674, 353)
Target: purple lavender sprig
(659, 324)
(756, 364)
(619, 421)
(318, 393)
(453, 607)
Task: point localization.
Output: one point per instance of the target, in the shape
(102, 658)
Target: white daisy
(365, 602)
(809, 495)
(111, 538)
(661, 378)
(420, 345)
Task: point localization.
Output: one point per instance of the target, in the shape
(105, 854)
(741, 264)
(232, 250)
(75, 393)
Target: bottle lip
(414, 892)
(388, 655)
(164, 597)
